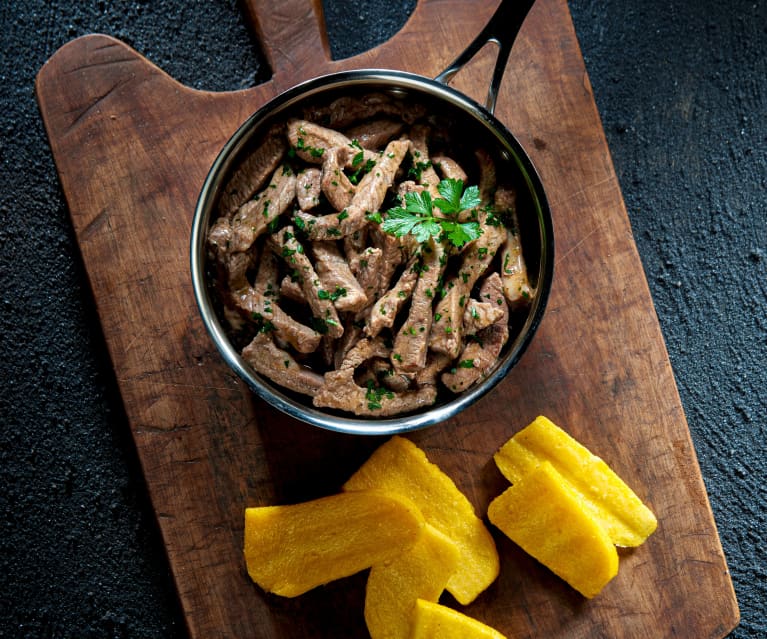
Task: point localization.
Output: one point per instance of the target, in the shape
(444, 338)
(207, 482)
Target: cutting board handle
(292, 35)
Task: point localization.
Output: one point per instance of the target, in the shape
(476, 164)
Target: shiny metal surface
(417, 88)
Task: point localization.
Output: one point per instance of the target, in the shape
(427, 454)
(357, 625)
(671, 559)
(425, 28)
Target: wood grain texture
(132, 148)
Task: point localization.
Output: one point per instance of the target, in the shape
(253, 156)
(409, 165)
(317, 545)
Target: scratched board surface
(132, 148)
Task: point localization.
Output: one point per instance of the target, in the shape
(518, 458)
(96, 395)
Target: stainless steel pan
(474, 120)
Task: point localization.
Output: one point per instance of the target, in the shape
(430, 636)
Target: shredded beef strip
(386, 376)
(393, 252)
(354, 246)
(379, 372)
(285, 245)
(480, 355)
(409, 186)
(327, 351)
(448, 327)
(368, 270)
(234, 318)
(449, 168)
(253, 173)
(412, 340)
(341, 391)
(384, 311)
(237, 265)
(259, 303)
(308, 188)
(479, 315)
(487, 176)
(277, 364)
(264, 310)
(435, 364)
(291, 290)
(311, 141)
(516, 285)
(447, 330)
(253, 218)
(353, 333)
(337, 278)
(487, 185)
(419, 151)
(368, 197)
(349, 110)
(267, 276)
(375, 134)
(336, 186)
(220, 238)
(233, 277)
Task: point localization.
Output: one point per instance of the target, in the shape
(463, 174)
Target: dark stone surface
(682, 90)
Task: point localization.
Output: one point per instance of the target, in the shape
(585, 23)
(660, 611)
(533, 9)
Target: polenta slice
(435, 621)
(393, 587)
(543, 515)
(401, 468)
(605, 496)
(292, 549)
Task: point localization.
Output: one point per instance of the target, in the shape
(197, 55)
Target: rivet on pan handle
(502, 29)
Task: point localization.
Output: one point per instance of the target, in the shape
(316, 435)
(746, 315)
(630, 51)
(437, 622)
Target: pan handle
(502, 29)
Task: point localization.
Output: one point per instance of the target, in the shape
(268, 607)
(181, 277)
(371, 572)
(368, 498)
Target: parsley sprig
(418, 217)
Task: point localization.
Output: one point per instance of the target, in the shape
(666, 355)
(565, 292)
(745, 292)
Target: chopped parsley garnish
(355, 177)
(267, 327)
(332, 296)
(314, 151)
(417, 170)
(375, 394)
(321, 325)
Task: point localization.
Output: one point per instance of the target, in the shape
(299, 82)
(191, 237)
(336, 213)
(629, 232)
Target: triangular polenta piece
(543, 515)
(292, 549)
(400, 467)
(606, 497)
(393, 587)
(435, 621)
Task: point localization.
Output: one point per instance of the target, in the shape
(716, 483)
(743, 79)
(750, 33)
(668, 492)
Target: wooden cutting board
(132, 148)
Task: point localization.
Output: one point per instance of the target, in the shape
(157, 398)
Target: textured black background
(682, 90)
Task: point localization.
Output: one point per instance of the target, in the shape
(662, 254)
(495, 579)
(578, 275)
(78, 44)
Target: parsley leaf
(400, 222)
(460, 234)
(417, 216)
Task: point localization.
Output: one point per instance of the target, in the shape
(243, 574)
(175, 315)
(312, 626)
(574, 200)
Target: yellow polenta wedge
(421, 572)
(543, 515)
(606, 497)
(292, 549)
(435, 621)
(400, 467)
